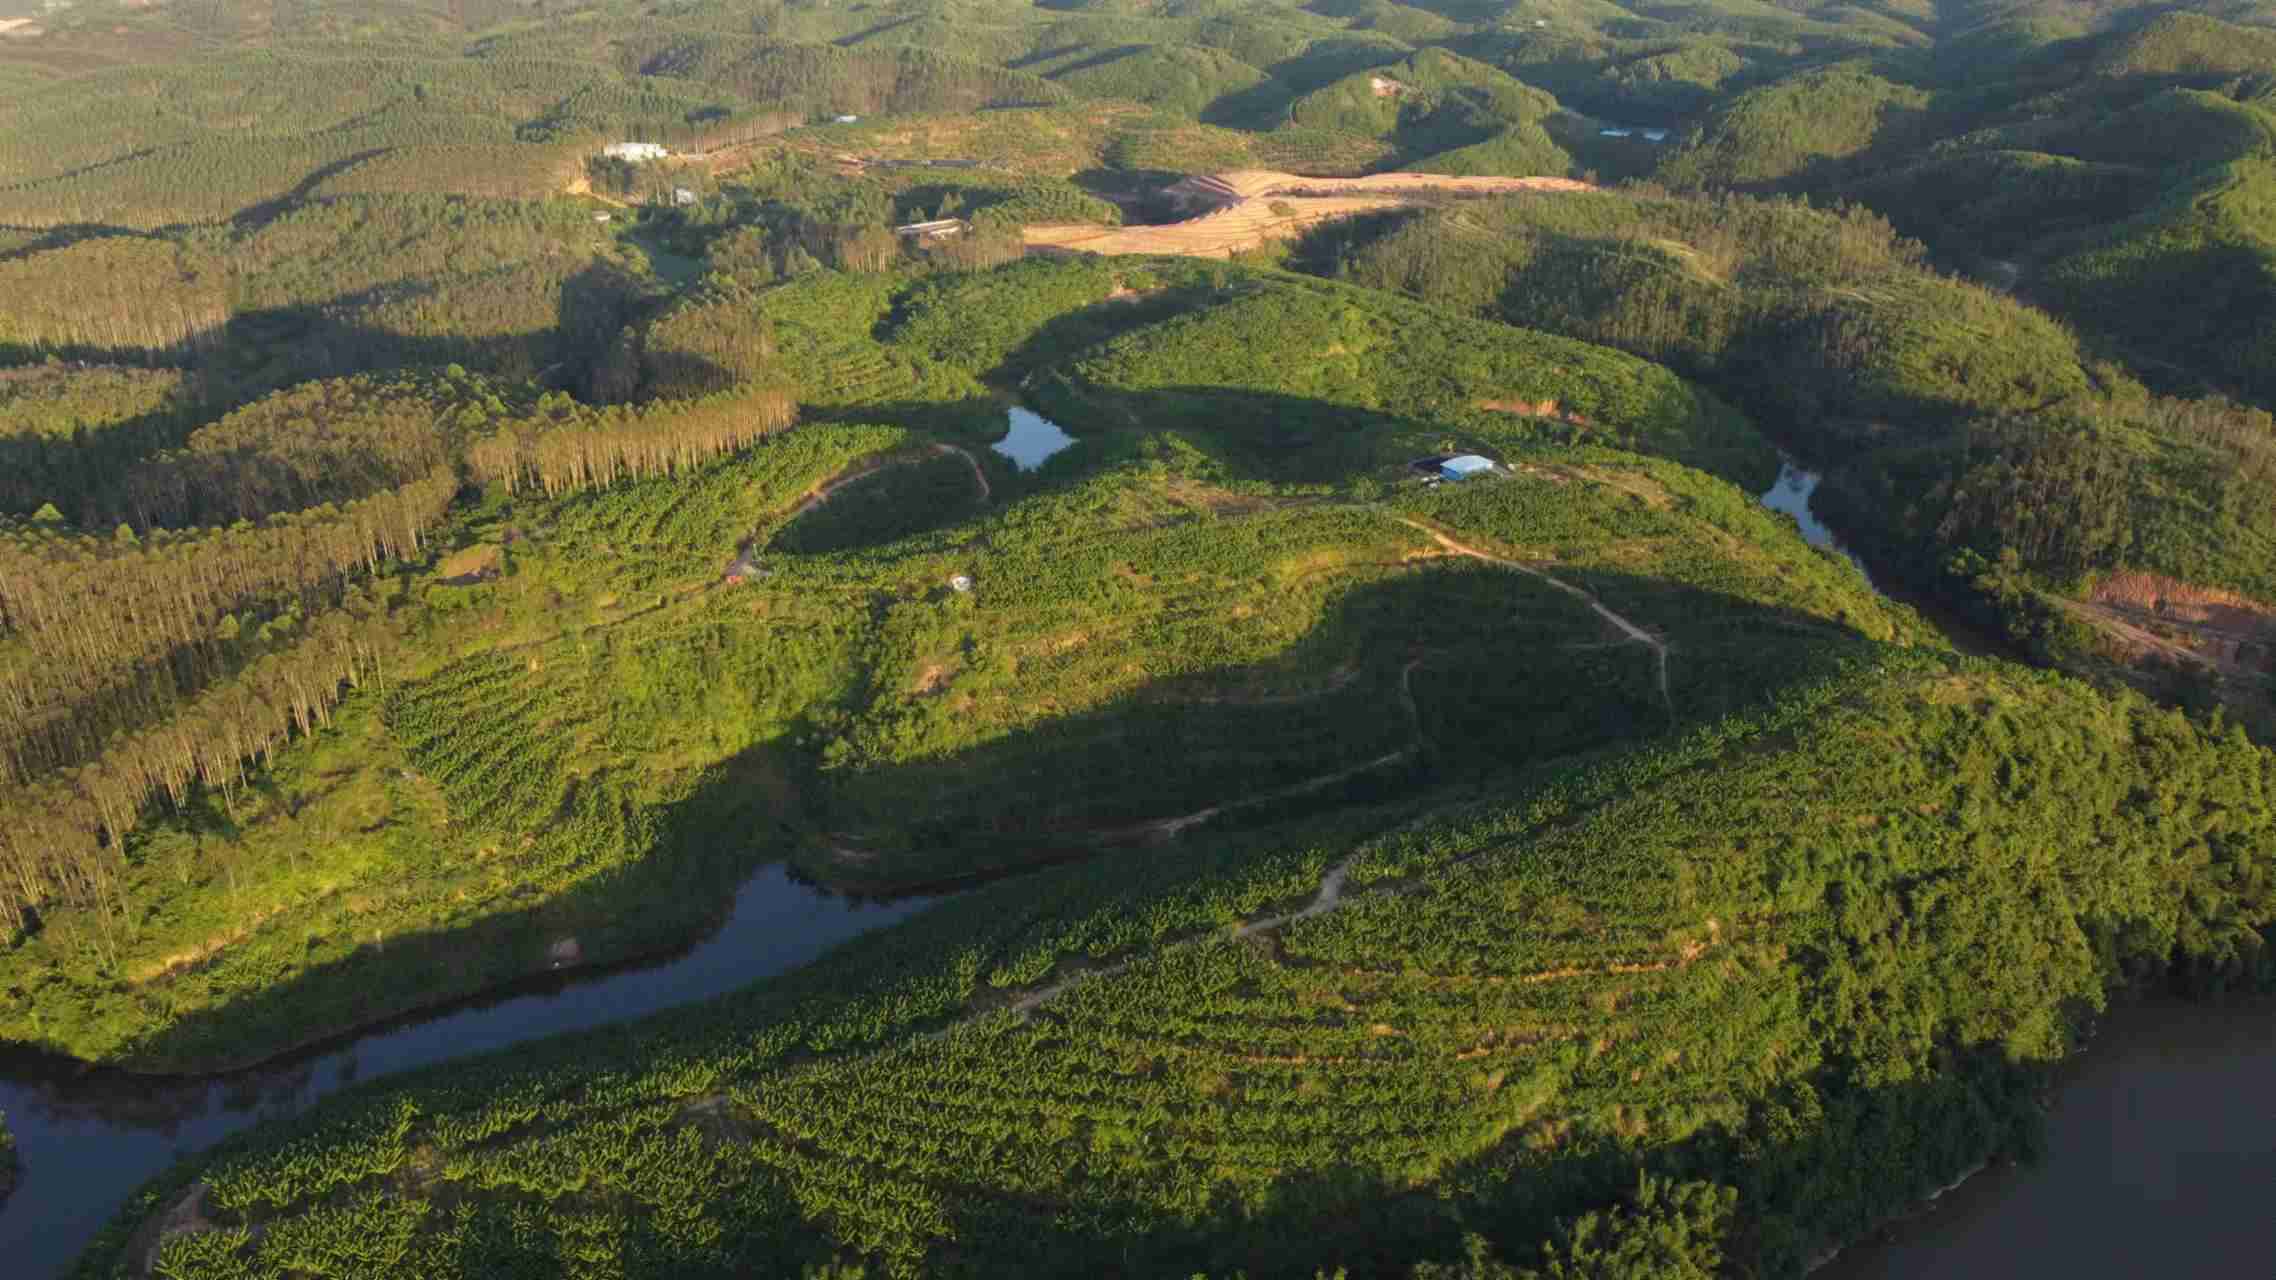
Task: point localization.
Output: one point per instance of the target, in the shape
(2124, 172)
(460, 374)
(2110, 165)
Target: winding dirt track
(830, 490)
(1329, 897)
(1630, 629)
(1169, 828)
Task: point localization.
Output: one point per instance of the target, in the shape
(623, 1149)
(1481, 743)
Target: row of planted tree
(145, 665)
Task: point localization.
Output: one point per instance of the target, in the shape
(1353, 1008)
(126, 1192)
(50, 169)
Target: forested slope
(1836, 932)
(1215, 564)
(1971, 443)
(433, 553)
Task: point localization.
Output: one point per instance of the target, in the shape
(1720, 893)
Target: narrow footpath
(1627, 628)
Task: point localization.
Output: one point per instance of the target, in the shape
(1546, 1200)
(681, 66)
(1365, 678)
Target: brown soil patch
(472, 562)
(2148, 615)
(189, 958)
(583, 186)
(1534, 409)
(1251, 207)
(2184, 603)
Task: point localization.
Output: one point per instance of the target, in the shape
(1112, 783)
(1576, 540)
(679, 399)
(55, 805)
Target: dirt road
(1627, 628)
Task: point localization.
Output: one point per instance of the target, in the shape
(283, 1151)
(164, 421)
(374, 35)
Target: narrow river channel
(2161, 1161)
(87, 1139)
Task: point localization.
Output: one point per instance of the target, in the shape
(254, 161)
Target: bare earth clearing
(1249, 207)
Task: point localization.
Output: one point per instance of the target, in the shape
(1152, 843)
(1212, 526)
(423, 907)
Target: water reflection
(1792, 495)
(89, 1138)
(2160, 1161)
(1031, 439)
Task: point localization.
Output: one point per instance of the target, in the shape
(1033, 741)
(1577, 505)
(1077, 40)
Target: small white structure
(937, 229)
(1464, 466)
(682, 197)
(846, 120)
(636, 152)
(600, 217)
(1655, 135)
(960, 584)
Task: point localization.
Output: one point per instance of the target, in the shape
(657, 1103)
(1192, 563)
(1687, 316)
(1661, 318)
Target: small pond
(1031, 439)
(89, 1138)
(1792, 495)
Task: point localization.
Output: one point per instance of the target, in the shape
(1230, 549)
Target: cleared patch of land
(1250, 207)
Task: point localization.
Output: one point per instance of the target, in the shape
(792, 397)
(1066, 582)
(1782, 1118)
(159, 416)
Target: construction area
(1242, 210)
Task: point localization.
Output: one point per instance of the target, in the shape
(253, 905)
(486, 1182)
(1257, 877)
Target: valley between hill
(488, 491)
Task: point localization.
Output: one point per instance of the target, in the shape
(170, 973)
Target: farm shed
(938, 229)
(1464, 466)
(637, 152)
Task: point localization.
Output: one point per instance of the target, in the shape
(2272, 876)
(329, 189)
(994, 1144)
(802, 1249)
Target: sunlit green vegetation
(523, 290)
(1713, 976)
(1300, 380)
(346, 836)
(422, 542)
(1797, 127)
(1956, 425)
(1261, 604)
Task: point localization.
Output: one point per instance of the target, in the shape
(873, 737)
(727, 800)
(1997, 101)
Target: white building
(937, 229)
(636, 152)
(682, 196)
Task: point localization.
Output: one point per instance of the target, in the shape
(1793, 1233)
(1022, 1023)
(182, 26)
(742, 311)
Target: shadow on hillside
(705, 848)
(66, 235)
(1069, 334)
(1414, 674)
(263, 349)
(1273, 437)
(253, 215)
(73, 471)
(1509, 673)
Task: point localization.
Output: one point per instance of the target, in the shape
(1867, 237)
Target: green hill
(1823, 972)
(1232, 537)
(1912, 390)
(1798, 129)
(426, 540)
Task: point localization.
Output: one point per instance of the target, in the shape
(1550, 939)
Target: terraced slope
(1796, 936)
